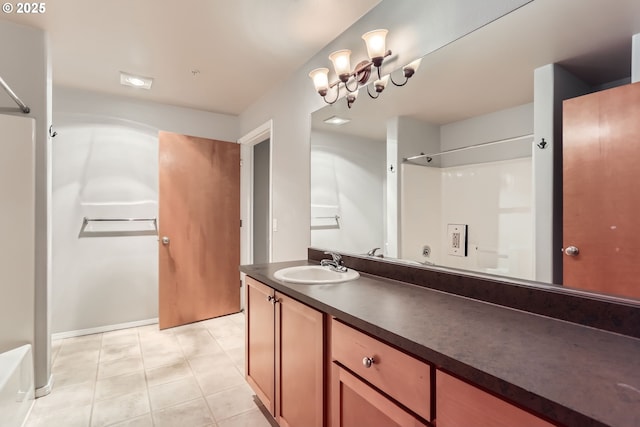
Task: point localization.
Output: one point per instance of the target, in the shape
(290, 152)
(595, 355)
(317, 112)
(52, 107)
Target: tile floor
(187, 376)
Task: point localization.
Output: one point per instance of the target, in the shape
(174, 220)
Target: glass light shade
(375, 40)
(413, 65)
(341, 62)
(381, 83)
(320, 77)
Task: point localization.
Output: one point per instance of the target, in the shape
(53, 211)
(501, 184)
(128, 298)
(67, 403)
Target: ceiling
(492, 68)
(213, 55)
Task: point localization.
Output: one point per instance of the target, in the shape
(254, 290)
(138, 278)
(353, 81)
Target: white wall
(499, 125)
(347, 179)
(25, 66)
(17, 228)
(105, 164)
(416, 27)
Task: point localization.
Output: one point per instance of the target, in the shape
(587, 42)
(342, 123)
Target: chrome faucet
(335, 263)
(373, 251)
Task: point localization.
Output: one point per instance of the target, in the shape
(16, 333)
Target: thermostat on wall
(457, 239)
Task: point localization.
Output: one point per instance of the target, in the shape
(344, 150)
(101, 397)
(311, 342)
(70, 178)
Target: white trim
(45, 389)
(106, 328)
(256, 136)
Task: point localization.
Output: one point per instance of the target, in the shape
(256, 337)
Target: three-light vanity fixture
(354, 80)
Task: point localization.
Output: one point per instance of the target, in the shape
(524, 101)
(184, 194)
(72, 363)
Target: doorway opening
(261, 186)
(256, 153)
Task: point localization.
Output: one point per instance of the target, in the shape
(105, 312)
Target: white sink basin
(314, 274)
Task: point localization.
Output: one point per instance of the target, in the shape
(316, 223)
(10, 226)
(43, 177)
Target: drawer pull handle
(368, 361)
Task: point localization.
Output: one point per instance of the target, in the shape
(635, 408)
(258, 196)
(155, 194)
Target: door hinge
(240, 223)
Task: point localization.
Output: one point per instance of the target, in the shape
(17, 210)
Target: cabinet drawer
(395, 373)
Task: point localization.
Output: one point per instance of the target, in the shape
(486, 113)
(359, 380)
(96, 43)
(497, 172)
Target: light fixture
(135, 81)
(353, 80)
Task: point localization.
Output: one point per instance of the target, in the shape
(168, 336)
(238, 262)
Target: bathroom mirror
(467, 119)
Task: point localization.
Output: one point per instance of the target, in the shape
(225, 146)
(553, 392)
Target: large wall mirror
(443, 171)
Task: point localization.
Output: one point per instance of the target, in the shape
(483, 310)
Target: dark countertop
(572, 374)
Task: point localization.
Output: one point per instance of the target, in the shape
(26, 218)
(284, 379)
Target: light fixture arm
(324, 96)
(361, 73)
(377, 93)
(408, 72)
(399, 84)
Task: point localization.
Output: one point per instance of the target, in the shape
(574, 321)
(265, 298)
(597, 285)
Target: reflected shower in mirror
(445, 175)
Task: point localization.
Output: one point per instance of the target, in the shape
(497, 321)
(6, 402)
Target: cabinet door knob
(165, 240)
(368, 361)
(572, 251)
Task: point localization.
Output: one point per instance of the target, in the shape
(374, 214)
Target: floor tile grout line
(193, 373)
(95, 384)
(146, 380)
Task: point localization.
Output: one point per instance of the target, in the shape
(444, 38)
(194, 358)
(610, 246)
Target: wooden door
(354, 403)
(601, 198)
(200, 215)
(299, 364)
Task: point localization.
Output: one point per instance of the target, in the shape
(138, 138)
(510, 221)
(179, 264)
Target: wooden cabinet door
(459, 404)
(299, 364)
(601, 200)
(260, 342)
(355, 404)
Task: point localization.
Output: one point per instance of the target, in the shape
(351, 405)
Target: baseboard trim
(106, 328)
(45, 389)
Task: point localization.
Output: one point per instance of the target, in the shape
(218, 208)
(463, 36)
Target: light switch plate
(457, 239)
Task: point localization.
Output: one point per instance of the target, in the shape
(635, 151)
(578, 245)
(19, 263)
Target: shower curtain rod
(455, 150)
(13, 96)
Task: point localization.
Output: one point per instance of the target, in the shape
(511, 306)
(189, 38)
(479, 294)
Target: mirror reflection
(454, 169)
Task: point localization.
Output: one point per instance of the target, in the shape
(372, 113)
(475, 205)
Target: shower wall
(105, 165)
(488, 188)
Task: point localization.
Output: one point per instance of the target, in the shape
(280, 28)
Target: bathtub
(16, 386)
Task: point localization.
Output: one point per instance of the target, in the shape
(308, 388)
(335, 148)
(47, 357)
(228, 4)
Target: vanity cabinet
(459, 404)
(285, 356)
(374, 384)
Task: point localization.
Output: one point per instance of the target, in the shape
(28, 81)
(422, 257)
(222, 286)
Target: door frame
(247, 142)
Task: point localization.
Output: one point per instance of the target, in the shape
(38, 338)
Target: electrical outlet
(457, 239)
(426, 251)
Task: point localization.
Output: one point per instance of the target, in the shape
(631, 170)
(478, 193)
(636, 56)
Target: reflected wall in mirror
(471, 127)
